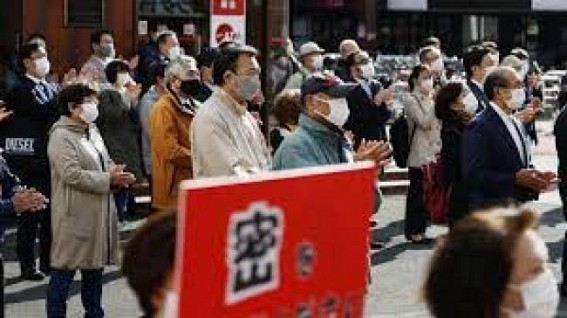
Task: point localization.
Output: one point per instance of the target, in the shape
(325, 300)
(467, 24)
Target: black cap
(207, 57)
(326, 84)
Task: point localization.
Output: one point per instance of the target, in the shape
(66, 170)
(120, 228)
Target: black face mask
(191, 87)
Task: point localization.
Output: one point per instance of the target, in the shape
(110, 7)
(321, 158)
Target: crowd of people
(74, 149)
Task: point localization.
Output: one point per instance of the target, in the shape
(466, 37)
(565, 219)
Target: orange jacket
(171, 149)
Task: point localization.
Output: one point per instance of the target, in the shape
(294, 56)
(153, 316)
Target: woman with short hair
(450, 109)
(286, 110)
(118, 126)
(425, 144)
(83, 213)
(492, 265)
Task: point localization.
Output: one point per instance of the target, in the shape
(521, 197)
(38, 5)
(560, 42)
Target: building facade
(385, 26)
(67, 24)
(400, 26)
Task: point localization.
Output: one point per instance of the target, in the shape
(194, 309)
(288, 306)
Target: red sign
(291, 244)
(228, 7)
(225, 32)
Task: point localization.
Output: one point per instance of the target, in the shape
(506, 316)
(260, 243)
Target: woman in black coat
(450, 109)
(118, 127)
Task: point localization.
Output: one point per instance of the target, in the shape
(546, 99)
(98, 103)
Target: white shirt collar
(35, 79)
(478, 84)
(212, 87)
(104, 61)
(505, 117)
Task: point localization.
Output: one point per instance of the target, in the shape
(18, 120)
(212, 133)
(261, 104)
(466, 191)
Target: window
(84, 13)
(175, 8)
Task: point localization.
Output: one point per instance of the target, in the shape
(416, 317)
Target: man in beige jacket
(226, 139)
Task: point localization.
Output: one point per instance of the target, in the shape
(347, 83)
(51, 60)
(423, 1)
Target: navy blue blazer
(366, 120)
(490, 161)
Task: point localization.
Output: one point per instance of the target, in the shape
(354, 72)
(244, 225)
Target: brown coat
(83, 214)
(171, 149)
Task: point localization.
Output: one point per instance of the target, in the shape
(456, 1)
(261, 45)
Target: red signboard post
(291, 244)
(228, 21)
(228, 7)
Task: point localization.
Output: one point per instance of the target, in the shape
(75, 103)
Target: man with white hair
(347, 48)
(167, 48)
(170, 123)
(531, 107)
(311, 56)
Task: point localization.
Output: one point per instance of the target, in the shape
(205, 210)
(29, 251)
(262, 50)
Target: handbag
(435, 195)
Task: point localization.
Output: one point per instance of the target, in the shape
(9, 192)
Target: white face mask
(42, 67)
(318, 62)
(427, 85)
(123, 79)
(249, 86)
(495, 57)
(339, 111)
(89, 113)
(437, 65)
(471, 103)
(540, 297)
(518, 98)
(174, 52)
(368, 71)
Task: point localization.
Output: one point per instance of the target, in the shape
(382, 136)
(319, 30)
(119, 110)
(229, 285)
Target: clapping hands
(120, 178)
(29, 200)
(377, 151)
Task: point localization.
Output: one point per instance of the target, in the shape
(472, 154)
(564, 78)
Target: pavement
(397, 270)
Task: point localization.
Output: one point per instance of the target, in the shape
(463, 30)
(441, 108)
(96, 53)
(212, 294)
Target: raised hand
(4, 113)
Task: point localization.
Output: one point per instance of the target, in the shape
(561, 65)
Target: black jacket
(451, 136)
(490, 161)
(367, 120)
(483, 101)
(203, 93)
(560, 132)
(343, 70)
(531, 127)
(150, 62)
(24, 135)
(119, 131)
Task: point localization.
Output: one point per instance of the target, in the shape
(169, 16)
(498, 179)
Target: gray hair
(497, 79)
(179, 67)
(161, 35)
(513, 62)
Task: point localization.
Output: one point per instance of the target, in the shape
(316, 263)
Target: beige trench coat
(83, 213)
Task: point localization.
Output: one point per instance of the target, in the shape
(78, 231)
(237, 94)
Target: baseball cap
(310, 48)
(327, 84)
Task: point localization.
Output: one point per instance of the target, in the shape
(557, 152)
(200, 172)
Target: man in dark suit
(24, 138)
(560, 132)
(205, 61)
(369, 111)
(155, 57)
(478, 64)
(496, 156)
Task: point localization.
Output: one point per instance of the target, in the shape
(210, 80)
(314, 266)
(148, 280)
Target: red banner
(228, 7)
(292, 244)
